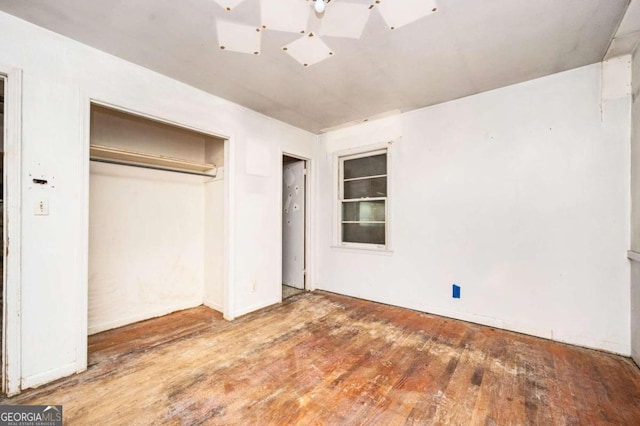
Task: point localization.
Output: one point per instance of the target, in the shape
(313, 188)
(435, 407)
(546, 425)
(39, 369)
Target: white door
(293, 221)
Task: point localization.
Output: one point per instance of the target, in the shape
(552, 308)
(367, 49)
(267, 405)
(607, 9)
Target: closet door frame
(83, 261)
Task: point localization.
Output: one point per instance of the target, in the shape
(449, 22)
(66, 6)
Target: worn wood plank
(321, 358)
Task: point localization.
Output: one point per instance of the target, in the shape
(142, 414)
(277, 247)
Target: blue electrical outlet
(456, 291)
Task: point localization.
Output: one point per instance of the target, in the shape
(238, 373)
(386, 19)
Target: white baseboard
(216, 306)
(255, 307)
(529, 329)
(636, 357)
(532, 330)
(617, 348)
(141, 316)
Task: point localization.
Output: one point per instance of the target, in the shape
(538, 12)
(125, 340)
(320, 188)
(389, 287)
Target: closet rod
(144, 166)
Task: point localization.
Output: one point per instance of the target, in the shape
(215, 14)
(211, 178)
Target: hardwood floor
(326, 359)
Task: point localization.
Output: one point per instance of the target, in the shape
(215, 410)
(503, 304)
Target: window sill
(363, 250)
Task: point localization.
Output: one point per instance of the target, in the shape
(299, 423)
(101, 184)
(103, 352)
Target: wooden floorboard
(321, 358)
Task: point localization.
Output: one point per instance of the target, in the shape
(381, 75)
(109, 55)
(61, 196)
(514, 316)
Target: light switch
(41, 208)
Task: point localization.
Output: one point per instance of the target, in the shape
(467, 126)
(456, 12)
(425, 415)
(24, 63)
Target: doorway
(294, 224)
(11, 206)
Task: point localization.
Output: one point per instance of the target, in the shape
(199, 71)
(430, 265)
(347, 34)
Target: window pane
(368, 233)
(366, 166)
(363, 211)
(365, 188)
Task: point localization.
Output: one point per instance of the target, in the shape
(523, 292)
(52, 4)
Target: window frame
(340, 158)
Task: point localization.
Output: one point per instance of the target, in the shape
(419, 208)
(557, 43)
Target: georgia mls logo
(30, 415)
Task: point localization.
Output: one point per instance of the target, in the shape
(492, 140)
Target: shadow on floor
(288, 291)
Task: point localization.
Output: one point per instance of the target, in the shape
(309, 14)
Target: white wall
(635, 212)
(146, 241)
(519, 195)
(59, 75)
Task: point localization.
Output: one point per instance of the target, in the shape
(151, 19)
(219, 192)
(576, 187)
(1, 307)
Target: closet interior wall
(155, 237)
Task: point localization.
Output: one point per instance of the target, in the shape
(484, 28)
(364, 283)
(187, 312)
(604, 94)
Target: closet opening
(156, 220)
(294, 226)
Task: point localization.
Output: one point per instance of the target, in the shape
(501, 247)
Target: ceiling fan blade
(228, 4)
(397, 13)
(285, 15)
(345, 20)
(308, 50)
(238, 37)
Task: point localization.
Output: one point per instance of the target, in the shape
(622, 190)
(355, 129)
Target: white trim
(213, 305)
(364, 249)
(156, 118)
(309, 282)
(633, 255)
(82, 289)
(365, 149)
(12, 335)
(82, 332)
(309, 265)
(229, 266)
(257, 306)
(280, 261)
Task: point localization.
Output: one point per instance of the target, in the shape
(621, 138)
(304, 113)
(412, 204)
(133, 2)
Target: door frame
(12, 326)
(308, 281)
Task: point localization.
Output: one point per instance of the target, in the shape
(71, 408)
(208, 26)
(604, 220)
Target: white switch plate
(41, 208)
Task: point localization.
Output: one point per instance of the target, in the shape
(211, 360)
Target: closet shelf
(110, 153)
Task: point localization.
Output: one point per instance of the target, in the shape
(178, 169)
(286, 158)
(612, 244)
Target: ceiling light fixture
(347, 19)
(320, 6)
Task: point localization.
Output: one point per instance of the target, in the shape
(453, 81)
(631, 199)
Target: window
(363, 199)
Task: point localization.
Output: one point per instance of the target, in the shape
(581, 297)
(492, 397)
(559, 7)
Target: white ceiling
(628, 34)
(466, 47)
